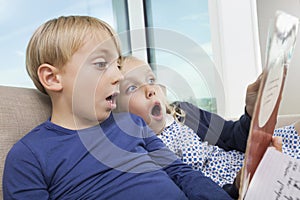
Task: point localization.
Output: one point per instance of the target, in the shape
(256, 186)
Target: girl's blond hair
(178, 114)
(58, 39)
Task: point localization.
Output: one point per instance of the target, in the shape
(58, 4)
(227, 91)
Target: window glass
(182, 54)
(19, 19)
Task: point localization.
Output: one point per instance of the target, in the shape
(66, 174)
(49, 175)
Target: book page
(276, 178)
(281, 43)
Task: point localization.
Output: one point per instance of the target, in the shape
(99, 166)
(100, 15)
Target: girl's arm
(229, 135)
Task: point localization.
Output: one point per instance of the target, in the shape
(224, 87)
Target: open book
(277, 177)
(281, 43)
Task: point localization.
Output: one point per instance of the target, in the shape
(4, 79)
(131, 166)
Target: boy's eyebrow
(104, 51)
(96, 52)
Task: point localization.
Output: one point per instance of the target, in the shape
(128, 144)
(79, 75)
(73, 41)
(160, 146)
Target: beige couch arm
(21, 109)
(285, 120)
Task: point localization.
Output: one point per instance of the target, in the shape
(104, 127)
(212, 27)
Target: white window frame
(236, 49)
(235, 44)
(137, 26)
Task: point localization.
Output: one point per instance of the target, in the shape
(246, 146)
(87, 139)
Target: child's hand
(251, 96)
(277, 143)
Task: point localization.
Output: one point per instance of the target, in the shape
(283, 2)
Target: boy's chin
(103, 116)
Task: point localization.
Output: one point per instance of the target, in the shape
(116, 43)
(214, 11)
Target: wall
(236, 49)
(265, 12)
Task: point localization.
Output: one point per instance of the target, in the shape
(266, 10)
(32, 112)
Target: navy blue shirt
(119, 159)
(210, 127)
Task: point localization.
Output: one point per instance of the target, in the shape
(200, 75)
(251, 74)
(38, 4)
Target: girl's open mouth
(156, 111)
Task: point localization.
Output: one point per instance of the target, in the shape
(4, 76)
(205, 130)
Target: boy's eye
(131, 89)
(101, 65)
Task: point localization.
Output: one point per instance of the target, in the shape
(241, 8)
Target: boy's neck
(69, 121)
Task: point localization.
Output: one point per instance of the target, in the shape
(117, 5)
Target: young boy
(83, 151)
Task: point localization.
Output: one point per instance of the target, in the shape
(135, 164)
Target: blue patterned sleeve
(290, 140)
(193, 183)
(210, 127)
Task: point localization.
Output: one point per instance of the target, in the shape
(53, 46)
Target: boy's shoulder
(28, 141)
(35, 131)
(41, 134)
(124, 117)
(128, 123)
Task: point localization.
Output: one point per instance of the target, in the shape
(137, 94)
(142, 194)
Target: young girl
(140, 95)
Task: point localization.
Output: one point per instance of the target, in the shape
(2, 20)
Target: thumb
(277, 143)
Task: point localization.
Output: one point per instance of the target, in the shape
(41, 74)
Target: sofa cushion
(21, 109)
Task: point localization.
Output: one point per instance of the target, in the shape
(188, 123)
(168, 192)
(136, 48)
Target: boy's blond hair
(58, 39)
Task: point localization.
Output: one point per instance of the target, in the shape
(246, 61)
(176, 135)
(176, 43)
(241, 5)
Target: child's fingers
(277, 143)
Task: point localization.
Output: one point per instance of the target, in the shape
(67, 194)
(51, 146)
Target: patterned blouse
(219, 165)
(290, 140)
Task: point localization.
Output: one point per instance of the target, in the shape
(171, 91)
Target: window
(198, 48)
(181, 54)
(223, 50)
(19, 19)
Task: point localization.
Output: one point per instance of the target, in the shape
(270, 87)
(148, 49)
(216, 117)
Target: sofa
(21, 109)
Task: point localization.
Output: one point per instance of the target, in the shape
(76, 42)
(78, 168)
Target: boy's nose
(118, 76)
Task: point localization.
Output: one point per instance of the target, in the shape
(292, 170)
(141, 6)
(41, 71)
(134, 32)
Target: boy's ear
(49, 77)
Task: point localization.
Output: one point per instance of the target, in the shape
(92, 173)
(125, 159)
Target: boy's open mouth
(112, 100)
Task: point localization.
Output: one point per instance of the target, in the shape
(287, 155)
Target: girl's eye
(151, 81)
(131, 89)
(101, 65)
